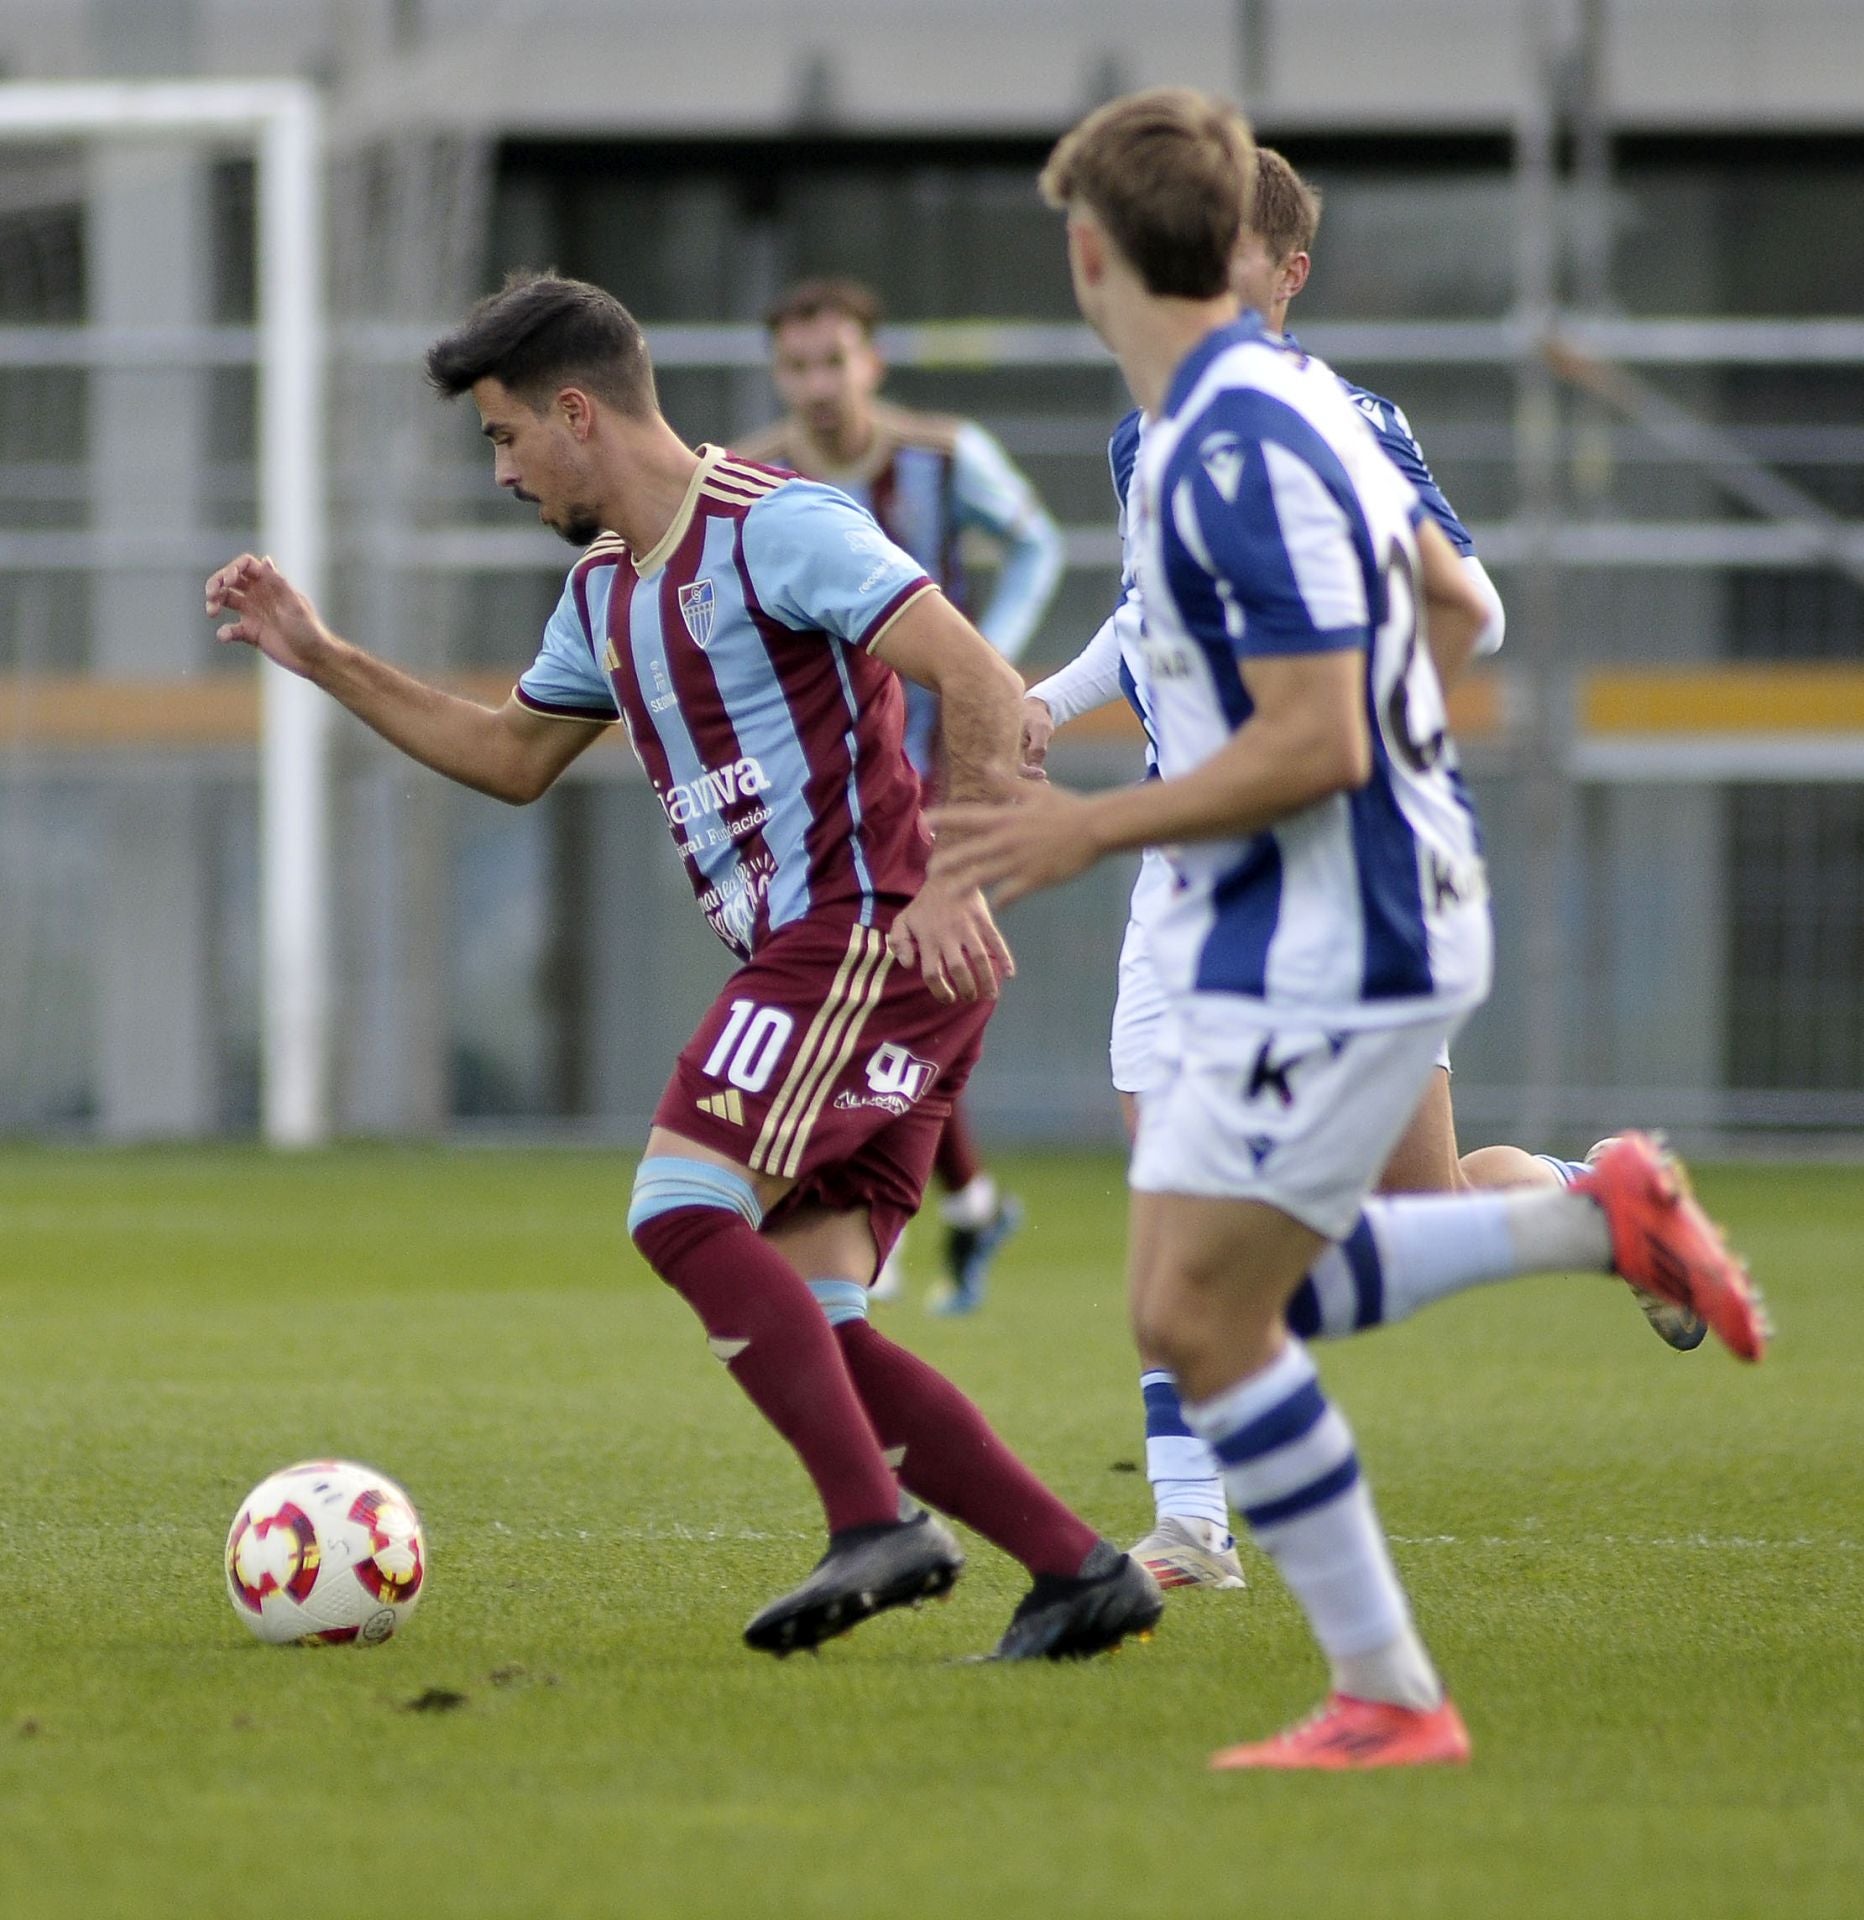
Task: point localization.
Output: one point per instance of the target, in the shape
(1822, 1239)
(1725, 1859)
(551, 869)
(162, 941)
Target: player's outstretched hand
(947, 932)
(1014, 846)
(1038, 730)
(269, 613)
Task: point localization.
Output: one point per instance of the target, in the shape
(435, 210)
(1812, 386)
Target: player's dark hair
(1287, 209)
(540, 333)
(810, 299)
(1170, 174)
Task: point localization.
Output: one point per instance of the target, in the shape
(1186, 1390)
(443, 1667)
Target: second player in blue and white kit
(1189, 1543)
(1327, 928)
(1339, 945)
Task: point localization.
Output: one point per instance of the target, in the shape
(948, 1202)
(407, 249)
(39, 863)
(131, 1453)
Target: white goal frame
(281, 122)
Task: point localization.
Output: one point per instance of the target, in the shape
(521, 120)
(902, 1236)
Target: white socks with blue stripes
(1290, 1470)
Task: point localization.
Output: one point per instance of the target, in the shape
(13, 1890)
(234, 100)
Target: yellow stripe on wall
(1723, 700)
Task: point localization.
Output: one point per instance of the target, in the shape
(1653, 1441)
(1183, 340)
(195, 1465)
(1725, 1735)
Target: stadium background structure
(1668, 755)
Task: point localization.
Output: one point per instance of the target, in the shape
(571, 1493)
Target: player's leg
(1212, 1299)
(860, 1155)
(1426, 1160)
(1189, 1543)
(695, 1217)
(977, 1216)
(1240, 1182)
(933, 1436)
(713, 1169)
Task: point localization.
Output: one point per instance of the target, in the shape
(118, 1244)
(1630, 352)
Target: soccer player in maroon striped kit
(749, 629)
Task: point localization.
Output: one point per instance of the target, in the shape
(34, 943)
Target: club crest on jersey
(698, 608)
(1222, 455)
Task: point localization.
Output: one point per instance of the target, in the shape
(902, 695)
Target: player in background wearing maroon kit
(927, 478)
(748, 628)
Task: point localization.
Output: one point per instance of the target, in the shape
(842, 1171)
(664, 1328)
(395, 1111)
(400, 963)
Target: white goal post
(280, 122)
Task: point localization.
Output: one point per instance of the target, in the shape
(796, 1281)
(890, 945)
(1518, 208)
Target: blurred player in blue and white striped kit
(1190, 1543)
(928, 479)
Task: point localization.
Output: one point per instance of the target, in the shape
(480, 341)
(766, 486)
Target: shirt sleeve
(990, 493)
(1489, 640)
(1279, 547)
(1091, 679)
(564, 680)
(821, 564)
(1394, 435)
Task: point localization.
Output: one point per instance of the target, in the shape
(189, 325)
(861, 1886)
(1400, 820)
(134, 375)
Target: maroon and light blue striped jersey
(738, 654)
(928, 479)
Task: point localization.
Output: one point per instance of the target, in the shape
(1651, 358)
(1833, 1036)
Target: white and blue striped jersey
(1265, 521)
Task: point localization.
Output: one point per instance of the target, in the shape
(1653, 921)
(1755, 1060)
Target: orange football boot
(1349, 1734)
(1663, 1243)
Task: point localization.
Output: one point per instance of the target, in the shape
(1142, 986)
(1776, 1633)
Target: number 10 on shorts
(752, 1043)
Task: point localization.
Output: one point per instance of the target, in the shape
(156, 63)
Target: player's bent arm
(980, 694)
(1454, 610)
(1088, 681)
(510, 752)
(1489, 640)
(1305, 741)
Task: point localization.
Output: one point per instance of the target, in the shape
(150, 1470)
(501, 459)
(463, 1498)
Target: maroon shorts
(826, 1063)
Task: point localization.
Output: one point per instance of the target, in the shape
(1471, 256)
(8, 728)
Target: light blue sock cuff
(665, 1181)
(841, 1300)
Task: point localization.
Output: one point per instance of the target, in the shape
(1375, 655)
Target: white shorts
(1139, 1012)
(1141, 1006)
(1300, 1119)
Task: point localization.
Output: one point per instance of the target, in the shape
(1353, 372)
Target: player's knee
(677, 1203)
(1166, 1320)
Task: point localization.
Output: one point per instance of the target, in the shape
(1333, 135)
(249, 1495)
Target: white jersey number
(752, 1043)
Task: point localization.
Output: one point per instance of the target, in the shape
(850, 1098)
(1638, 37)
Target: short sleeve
(1394, 435)
(1263, 506)
(564, 680)
(989, 491)
(819, 563)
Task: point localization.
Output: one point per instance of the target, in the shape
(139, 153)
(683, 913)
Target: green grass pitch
(1640, 1572)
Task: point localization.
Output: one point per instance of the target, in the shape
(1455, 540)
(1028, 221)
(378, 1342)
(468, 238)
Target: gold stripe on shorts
(843, 1054)
(859, 943)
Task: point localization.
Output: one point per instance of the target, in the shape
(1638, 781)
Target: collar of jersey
(661, 552)
(1247, 326)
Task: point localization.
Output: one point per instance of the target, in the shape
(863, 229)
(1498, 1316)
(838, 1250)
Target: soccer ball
(326, 1551)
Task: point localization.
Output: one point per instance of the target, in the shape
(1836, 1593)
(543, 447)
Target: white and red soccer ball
(326, 1551)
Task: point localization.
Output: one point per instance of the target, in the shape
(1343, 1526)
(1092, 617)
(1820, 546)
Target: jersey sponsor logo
(715, 790)
(727, 1106)
(730, 908)
(1222, 455)
(888, 559)
(1271, 1074)
(698, 608)
(892, 1070)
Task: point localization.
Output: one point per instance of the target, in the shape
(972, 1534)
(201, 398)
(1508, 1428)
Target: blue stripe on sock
(840, 1300)
(666, 1181)
(1164, 1411)
(1362, 1258)
(1567, 1171)
(1281, 1426)
(1304, 1499)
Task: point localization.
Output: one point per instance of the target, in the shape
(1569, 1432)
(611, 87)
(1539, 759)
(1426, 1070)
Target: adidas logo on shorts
(728, 1105)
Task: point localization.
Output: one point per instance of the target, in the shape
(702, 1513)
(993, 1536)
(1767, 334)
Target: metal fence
(1667, 755)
